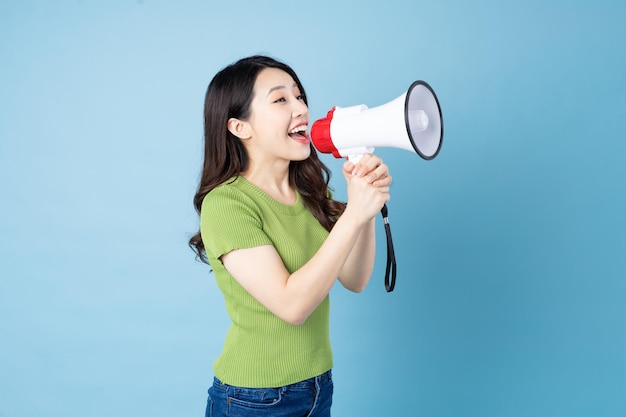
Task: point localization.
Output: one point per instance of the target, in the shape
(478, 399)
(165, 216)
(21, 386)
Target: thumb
(348, 167)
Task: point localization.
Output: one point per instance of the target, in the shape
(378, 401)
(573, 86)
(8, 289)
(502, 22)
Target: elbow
(358, 288)
(295, 317)
(355, 285)
(294, 320)
(299, 321)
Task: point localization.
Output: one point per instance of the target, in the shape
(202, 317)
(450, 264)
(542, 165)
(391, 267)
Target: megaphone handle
(354, 158)
(391, 256)
(354, 155)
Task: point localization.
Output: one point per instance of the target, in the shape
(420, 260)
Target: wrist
(354, 217)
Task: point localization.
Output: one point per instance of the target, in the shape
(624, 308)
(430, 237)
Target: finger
(382, 182)
(348, 166)
(383, 189)
(367, 164)
(372, 163)
(379, 172)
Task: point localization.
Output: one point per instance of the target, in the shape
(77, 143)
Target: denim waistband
(320, 379)
(325, 377)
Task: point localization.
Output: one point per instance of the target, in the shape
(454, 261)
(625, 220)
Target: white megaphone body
(412, 122)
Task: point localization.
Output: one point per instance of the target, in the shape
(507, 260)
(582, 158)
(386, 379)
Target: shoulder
(226, 195)
(228, 202)
(230, 219)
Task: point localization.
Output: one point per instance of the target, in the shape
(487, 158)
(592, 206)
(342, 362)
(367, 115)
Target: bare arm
(293, 297)
(358, 268)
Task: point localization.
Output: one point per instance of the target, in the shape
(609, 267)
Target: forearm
(358, 267)
(294, 296)
(347, 252)
(310, 284)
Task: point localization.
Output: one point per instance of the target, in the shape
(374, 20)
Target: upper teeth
(298, 129)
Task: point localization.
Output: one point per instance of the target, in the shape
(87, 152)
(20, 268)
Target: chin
(302, 156)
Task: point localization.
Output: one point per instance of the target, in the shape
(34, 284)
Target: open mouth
(299, 133)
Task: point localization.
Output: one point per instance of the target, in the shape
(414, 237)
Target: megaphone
(412, 122)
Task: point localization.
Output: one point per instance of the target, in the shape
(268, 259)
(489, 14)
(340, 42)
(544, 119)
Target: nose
(300, 108)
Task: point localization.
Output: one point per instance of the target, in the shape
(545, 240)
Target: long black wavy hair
(229, 95)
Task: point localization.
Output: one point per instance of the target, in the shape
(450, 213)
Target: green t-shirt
(262, 350)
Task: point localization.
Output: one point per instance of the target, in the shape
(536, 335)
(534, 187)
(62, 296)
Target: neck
(274, 180)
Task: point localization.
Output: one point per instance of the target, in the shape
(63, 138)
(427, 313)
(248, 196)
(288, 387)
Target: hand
(368, 186)
(371, 168)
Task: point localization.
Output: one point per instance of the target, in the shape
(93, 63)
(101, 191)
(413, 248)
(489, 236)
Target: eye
(301, 97)
(280, 100)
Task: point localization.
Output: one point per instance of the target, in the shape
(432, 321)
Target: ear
(239, 128)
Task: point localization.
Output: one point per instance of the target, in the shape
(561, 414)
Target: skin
(348, 253)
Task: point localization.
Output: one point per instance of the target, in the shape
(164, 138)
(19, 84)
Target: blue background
(511, 244)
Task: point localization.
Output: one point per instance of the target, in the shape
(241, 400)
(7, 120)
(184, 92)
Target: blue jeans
(309, 398)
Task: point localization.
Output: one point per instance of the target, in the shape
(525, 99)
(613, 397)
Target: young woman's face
(279, 118)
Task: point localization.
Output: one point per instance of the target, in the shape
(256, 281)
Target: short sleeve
(230, 220)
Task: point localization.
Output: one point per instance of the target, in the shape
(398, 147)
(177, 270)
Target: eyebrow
(279, 87)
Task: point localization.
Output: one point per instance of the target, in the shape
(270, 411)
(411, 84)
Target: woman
(277, 241)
